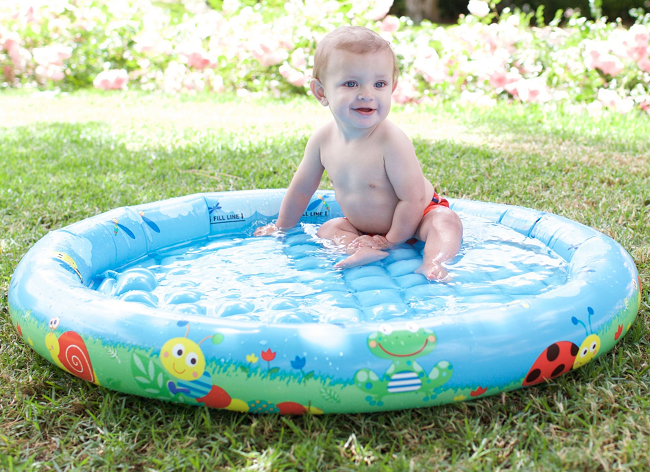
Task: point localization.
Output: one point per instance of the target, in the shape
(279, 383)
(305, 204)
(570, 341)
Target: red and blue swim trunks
(437, 200)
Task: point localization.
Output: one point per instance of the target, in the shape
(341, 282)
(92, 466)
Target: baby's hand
(266, 230)
(362, 241)
(380, 242)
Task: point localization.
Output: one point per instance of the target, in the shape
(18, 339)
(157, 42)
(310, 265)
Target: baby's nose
(365, 94)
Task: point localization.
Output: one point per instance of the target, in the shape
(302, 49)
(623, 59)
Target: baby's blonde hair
(354, 39)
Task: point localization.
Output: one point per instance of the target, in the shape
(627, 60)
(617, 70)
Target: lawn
(69, 157)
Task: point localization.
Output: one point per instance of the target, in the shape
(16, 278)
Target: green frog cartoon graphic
(404, 375)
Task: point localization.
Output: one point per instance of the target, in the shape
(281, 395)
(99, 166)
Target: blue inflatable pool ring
(176, 300)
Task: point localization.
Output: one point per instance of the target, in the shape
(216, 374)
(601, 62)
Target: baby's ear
(394, 87)
(319, 91)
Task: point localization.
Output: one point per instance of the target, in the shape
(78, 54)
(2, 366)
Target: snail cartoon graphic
(69, 352)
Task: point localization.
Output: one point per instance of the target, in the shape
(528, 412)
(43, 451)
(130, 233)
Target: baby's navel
(372, 185)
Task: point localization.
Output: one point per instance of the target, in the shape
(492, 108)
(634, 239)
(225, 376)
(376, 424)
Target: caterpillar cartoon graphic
(184, 360)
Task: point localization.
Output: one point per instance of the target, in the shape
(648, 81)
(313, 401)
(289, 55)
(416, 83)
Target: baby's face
(358, 87)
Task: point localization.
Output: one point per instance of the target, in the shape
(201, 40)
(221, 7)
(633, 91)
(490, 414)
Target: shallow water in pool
(291, 278)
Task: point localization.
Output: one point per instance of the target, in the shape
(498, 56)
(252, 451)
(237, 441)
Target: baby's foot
(432, 270)
(364, 255)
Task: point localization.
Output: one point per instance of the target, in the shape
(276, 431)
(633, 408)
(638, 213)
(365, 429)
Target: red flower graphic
(478, 392)
(618, 333)
(268, 355)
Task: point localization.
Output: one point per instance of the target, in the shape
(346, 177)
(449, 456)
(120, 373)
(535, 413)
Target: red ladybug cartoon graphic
(557, 359)
(562, 356)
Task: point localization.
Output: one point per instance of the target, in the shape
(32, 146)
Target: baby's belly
(368, 215)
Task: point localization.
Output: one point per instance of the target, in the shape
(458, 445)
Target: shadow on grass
(58, 173)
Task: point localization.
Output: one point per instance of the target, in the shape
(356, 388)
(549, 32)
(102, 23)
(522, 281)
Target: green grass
(70, 157)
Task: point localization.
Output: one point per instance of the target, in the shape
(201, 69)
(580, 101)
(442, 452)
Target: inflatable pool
(176, 300)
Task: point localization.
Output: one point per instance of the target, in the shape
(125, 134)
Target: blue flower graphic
(299, 362)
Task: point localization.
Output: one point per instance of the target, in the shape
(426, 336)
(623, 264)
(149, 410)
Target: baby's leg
(442, 232)
(342, 233)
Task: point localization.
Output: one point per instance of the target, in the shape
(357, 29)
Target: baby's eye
(350, 83)
(380, 84)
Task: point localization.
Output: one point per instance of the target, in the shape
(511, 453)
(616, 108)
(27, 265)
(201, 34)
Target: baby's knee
(444, 217)
(453, 220)
(331, 227)
(445, 221)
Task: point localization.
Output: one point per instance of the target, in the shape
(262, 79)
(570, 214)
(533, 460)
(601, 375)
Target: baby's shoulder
(392, 135)
(323, 133)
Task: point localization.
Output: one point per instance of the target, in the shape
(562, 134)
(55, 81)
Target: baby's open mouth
(364, 111)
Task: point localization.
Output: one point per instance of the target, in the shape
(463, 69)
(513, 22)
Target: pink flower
(645, 105)
(31, 15)
(152, 43)
(115, 79)
(405, 92)
(592, 53)
(195, 56)
(287, 43)
(500, 78)
(636, 42)
(293, 76)
(598, 56)
(390, 24)
(532, 90)
(16, 53)
(269, 53)
(478, 8)
(52, 55)
(11, 42)
(432, 67)
(298, 59)
(609, 64)
(644, 64)
(611, 99)
(49, 72)
(9, 73)
(380, 9)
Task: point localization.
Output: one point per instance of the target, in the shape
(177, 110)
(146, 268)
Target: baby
(371, 163)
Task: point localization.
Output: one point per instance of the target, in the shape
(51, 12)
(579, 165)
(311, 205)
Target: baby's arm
(303, 185)
(405, 174)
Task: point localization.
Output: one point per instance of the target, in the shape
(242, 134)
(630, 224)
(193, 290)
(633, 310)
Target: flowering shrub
(115, 44)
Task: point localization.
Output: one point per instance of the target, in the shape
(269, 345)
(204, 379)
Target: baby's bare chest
(355, 168)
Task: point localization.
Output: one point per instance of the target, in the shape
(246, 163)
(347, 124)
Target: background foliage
(450, 10)
(267, 47)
